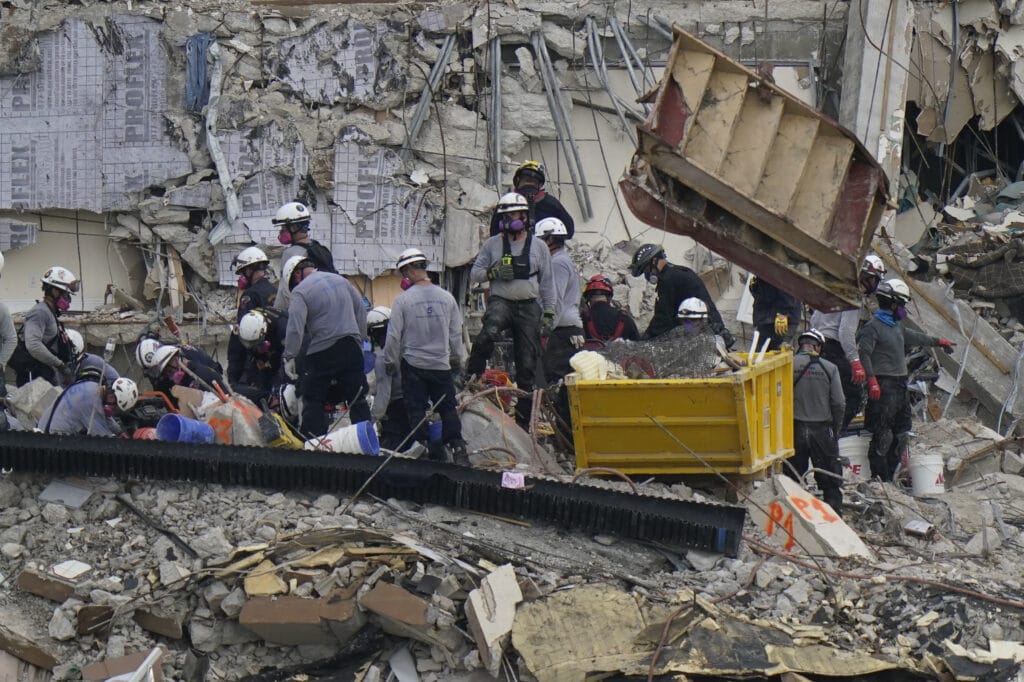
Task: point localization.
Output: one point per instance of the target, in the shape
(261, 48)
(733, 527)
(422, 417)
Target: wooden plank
(816, 195)
(786, 161)
(708, 139)
(692, 71)
(747, 156)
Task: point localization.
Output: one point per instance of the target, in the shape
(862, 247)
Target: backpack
(321, 255)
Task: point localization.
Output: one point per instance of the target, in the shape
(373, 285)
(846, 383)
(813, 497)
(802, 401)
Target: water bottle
(108, 349)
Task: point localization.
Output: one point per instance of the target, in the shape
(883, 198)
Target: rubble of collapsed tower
(235, 582)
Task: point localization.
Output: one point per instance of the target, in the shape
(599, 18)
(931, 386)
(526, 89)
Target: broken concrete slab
(574, 632)
(45, 585)
(491, 610)
(393, 603)
(16, 640)
(167, 621)
(797, 521)
(121, 665)
(295, 620)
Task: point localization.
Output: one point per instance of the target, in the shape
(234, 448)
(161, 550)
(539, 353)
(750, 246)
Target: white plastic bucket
(357, 439)
(927, 474)
(855, 450)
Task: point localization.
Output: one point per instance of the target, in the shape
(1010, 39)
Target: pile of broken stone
(236, 583)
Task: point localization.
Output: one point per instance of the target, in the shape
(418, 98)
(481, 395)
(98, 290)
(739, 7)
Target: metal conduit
(566, 139)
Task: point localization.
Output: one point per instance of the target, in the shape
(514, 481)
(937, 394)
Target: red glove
(874, 390)
(946, 345)
(859, 376)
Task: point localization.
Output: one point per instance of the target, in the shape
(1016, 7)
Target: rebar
(420, 113)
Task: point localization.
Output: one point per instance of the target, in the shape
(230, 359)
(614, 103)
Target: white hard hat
(252, 328)
(873, 265)
(692, 309)
(410, 256)
(552, 227)
(812, 335)
(77, 342)
(61, 278)
(895, 289)
(512, 201)
(289, 402)
(144, 353)
(289, 269)
(126, 393)
(292, 213)
(162, 356)
(249, 256)
(378, 317)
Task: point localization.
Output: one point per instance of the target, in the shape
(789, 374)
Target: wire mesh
(677, 354)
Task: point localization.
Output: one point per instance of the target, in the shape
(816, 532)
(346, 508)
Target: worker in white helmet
(90, 406)
(261, 334)
(294, 222)
(388, 409)
(424, 342)
(256, 292)
(327, 324)
(44, 349)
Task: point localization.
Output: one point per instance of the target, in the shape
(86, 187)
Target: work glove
(501, 271)
(456, 365)
(728, 338)
(577, 341)
(946, 345)
(857, 373)
(547, 322)
(290, 370)
(874, 390)
(781, 324)
(390, 369)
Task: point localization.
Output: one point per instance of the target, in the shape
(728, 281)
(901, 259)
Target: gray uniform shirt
(841, 327)
(324, 308)
(385, 389)
(80, 410)
(818, 396)
(568, 291)
(283, 295)
(883, 349)
(39, 329)
(539, 284)
(8, 335)
(425, 328)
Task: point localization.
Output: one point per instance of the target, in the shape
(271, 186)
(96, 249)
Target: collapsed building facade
(146, 143)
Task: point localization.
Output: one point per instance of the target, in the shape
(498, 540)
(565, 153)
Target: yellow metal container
(740, 423)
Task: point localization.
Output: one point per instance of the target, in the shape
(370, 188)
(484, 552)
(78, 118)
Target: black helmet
(529, 169)
(644, 256)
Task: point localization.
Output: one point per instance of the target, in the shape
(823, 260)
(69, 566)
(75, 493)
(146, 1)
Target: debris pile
(234, 582)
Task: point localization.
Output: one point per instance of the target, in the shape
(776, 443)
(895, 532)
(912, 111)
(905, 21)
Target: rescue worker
(184, 366)
(388, 407)
(840, 332)
(44, 349)
(89, 405)
(326, 317)
(602, 320)
(818, 406)
(294, 221)
(256, 292)
(519, 270)
(424, 343)
(144, 355)
(675, 284)
(882, 343)
(8, 342)
(528, 181)
(776, 314)
(261, 334)
(82, 360)
(566, 336)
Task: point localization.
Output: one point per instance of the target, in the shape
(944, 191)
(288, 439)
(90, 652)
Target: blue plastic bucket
(434, 431)
(177, 429)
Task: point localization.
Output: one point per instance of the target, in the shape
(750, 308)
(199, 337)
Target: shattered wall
(102, 110)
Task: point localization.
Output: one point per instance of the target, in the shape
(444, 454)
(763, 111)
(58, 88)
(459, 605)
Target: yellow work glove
(781, 324)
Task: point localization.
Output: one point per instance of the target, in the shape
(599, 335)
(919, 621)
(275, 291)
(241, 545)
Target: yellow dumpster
(739, 423)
